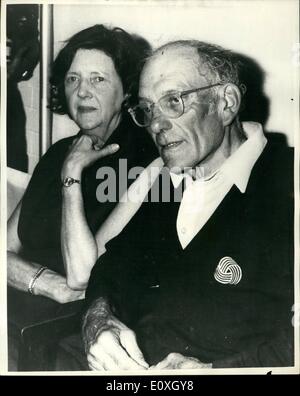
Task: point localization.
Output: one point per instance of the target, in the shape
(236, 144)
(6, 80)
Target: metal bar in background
(46, 42)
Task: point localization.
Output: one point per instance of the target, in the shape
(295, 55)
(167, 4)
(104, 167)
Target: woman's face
(94, 93)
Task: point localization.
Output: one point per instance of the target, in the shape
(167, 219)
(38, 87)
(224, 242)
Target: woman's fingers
(108, 150)
(74, 141)
(90, 141)
(83, 154)
(94, 155)
(96, 140)
(91, 144)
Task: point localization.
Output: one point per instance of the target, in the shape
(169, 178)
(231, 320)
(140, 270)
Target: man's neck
(234, 137)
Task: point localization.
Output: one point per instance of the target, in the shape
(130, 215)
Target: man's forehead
(172, 57)
(170, 64)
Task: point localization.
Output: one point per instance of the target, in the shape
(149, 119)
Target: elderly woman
(52, 235)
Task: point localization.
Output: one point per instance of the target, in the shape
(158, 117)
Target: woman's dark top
(40, 218)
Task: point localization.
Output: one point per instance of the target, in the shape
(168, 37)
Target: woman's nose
(160, 123)
(84, 89)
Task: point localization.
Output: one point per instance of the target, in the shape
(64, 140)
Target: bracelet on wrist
(34, 279)
(69, 181)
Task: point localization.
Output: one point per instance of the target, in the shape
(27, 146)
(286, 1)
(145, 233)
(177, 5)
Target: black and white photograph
(150, 187)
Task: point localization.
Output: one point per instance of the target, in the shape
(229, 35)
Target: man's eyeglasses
(172, 105)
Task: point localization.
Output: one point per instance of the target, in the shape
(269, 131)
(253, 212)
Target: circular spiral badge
(228, 272)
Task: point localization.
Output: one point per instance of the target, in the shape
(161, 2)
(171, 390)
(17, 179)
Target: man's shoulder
(272, 178)
(278, 146)
(276, 161)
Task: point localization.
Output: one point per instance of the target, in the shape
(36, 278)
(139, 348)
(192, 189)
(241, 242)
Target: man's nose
(160, 122)
(84, 89)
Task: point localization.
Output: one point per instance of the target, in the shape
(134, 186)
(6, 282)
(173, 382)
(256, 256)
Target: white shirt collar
(238, 166)
(176, 179)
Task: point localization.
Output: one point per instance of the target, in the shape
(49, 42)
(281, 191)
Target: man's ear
(229, 103)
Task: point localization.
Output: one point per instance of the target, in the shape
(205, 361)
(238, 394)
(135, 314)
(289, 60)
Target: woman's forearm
(49, 284)
(19, 271)
(79, 248)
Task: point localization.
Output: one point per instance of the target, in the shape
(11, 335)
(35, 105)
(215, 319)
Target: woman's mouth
(86, 109)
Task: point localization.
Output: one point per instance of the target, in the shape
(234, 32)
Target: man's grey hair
(216, 64)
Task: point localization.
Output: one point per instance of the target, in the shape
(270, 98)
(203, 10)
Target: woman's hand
(83, 152)
(51, 284)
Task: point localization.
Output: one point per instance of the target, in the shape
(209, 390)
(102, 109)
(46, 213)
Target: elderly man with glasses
(207, 281)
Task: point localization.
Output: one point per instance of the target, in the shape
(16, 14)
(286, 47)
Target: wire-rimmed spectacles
(171, 105)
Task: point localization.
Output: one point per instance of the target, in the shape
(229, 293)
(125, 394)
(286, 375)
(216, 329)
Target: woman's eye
(72, 79)
(97, 79)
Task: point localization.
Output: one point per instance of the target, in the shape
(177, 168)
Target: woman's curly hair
(126, 51)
